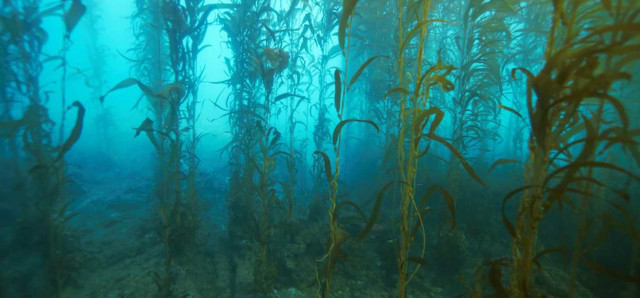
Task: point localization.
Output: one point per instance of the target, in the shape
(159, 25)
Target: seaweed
(563, 88)
(451, 100)
(73, 15)
(46, 206)
(75, 132)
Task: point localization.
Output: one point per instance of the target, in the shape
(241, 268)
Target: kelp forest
(320, 148)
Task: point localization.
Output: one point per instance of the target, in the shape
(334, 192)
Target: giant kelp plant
(301, 148)
(174, 30)
(566, 130)
(43, 199)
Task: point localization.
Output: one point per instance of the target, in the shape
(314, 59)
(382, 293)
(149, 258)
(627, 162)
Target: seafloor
(120, 251)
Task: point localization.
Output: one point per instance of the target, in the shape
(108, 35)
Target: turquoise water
(191, 148)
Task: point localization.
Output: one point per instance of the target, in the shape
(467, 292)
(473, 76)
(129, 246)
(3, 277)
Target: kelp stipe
(295, 96)
(275, 219)
(587, 53)
(337, 235)
(324, 28)
(252, 197)
(243, 30)
(419, 118)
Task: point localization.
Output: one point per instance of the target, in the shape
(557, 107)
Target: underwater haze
(320, 148)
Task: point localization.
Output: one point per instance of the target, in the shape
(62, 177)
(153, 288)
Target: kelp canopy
(301, 148)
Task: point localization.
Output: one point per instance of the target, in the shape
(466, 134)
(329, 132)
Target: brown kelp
(417, 113)
(337, 235)
(346, 137)
(177, 32)
(45, 211)
(589, 50)
(325, 25)
(480, 39)
(243, 30)
(259, 61)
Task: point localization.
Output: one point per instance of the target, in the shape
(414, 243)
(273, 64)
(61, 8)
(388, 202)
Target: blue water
(316, 148)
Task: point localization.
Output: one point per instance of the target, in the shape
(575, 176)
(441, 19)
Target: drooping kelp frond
(573, 110)
(161, 102)
(75, 132)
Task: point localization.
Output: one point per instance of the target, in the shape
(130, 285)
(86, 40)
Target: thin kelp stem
(336, 234)
(63, 86)
(321, 130)
(408, 168)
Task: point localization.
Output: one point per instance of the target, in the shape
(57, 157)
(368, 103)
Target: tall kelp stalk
(149, 50)
(185, 25)
(259, 56)
(590, 49)
(173, 30)
(325, 26)
(294, 42)
(150, 67)
(243, 32)
(252, 199)
(268, 67)
(416, 113)
(337, 235)
(45, 204)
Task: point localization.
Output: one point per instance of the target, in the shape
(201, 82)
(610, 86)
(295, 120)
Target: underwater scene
(320, 148)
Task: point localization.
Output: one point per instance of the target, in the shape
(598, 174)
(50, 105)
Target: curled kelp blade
(338, 129)
(147, 127)
(75, 133)
(285, 95)
(511, 110)
(361, 216)
(327, 165)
